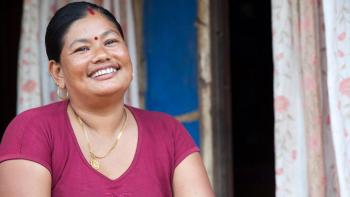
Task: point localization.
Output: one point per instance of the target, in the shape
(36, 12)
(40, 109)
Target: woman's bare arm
(24, 178)
(191, 179)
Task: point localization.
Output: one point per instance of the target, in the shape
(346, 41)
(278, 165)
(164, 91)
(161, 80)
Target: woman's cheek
(82, 59)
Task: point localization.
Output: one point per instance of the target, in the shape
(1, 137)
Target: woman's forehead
(91, 26)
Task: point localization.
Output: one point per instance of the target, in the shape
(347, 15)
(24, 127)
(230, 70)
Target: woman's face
(95, 59)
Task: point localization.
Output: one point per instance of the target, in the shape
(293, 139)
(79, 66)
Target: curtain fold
(35, 86)
(337, 25)
(311, 97)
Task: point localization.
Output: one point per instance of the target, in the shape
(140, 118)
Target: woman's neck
(101, 117)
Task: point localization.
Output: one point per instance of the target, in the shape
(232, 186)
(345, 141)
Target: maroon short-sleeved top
(45, 135)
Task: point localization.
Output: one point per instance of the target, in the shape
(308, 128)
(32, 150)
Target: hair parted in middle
(64, 18)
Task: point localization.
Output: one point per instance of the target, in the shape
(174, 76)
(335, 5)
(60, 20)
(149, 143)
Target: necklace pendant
(95, 163)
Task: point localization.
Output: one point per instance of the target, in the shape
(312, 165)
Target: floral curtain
(35, 86)
(311, 47)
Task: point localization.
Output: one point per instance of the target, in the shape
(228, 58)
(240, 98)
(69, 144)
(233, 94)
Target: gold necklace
(94, 159)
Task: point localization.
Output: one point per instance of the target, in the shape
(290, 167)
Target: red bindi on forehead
(91, 11)
(96, 38)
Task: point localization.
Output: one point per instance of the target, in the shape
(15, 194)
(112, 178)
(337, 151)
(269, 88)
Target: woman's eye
(110, 42)
(82, 49)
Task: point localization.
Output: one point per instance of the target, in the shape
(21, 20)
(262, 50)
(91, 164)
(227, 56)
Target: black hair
(63, 19)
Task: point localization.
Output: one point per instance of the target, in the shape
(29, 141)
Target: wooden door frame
(215, 93)
(221, 97)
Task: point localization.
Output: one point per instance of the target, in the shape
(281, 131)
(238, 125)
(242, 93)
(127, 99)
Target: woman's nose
(100, 55)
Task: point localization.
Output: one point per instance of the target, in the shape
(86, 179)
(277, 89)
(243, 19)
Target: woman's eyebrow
(109, 32)
(83, 40)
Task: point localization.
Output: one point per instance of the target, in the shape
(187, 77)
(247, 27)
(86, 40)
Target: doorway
(9, 38)
(252, 108)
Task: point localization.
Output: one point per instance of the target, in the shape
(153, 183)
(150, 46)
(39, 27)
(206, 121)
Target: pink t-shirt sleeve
(27, 138)
(184, 143)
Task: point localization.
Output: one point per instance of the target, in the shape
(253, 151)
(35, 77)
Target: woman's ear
(56, 73)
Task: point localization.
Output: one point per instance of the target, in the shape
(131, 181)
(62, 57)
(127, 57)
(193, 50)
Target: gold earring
(59, 94)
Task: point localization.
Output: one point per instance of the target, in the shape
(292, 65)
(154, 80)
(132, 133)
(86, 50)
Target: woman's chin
(109, 91)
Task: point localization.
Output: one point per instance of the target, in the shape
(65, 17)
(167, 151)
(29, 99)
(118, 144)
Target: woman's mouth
(104, 71)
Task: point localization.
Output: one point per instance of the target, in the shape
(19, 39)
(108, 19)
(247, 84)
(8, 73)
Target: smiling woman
(91, 143)
(90, 67)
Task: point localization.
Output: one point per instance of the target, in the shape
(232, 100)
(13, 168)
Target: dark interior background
(11, 15)
(252, 85)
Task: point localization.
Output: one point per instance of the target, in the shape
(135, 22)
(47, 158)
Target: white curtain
(337, 22)
(35, 86)
(311, 46)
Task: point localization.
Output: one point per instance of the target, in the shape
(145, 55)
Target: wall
(171, 64)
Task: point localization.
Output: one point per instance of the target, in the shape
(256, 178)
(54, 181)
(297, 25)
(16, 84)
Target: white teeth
(104, 71)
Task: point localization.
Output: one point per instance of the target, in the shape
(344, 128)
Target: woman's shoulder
(34, 126)
(44, 112)
(158, 123)
(39, 115)
(151, 115)
(30, 135)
